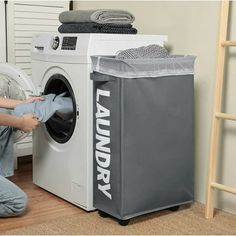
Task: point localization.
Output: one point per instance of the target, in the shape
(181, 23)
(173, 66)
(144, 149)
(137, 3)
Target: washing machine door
(61, 127)
(15, 84)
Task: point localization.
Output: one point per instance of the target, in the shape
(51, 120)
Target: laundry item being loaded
(44, 110)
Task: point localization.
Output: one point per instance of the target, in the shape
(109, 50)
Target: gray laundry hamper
(143, 135)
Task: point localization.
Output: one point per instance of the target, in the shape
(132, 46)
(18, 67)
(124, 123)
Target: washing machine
(63, 150)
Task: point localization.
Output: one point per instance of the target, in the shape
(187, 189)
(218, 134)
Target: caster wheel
(124, 222)
(175, 208)
(103, 214)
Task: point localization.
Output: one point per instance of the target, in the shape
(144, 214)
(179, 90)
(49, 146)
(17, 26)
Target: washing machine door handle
(77, 111)
(15, 82)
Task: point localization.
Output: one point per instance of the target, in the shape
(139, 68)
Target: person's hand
(28, 122)
(32, 99)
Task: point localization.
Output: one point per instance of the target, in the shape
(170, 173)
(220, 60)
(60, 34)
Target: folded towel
(150, 51)
(101, 16)
(89, 27)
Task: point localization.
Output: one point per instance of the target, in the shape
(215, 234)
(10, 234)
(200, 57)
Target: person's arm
(9, 103)
(9, 120)
(12, 103)
(26, 123)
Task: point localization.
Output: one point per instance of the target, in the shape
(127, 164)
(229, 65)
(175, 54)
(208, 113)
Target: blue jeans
(13, 200)
(6, 149)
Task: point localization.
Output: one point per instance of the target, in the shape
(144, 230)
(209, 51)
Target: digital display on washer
(69, 43)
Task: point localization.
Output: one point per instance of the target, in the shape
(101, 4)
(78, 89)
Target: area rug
(187, 220)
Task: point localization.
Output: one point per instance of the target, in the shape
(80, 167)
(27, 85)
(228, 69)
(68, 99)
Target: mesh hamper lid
(139, 68)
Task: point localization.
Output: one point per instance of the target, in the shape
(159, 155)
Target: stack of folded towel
(97, 21)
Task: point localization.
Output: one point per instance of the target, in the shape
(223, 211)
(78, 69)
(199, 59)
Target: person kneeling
(13, 201)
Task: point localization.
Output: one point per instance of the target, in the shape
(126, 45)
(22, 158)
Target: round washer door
(15, 84)
(60, 127)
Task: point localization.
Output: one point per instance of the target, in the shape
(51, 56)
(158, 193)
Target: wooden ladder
(217, 114)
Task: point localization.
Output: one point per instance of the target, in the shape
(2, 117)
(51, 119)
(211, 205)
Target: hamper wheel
(123, 222)
(175, 208)
(103, 214)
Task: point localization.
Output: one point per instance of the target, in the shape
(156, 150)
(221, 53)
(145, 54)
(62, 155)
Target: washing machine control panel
(69, 43)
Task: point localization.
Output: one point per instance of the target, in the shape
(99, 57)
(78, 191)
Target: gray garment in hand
(6, 149)
(150, 51)
(47, 108)
(13, 200)
(101, 16)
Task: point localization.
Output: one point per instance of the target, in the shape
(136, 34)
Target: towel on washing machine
(44, 110)
(101, 16)
(90, 27)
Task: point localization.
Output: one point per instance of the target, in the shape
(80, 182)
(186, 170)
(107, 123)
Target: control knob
(55, 42)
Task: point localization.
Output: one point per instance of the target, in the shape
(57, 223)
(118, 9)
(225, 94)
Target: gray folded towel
(101, 16)
(150, 51)
(90, 27)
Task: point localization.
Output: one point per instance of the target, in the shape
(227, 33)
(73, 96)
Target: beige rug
(185, 221)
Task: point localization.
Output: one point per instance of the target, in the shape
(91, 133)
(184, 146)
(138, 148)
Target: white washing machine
(63, 150)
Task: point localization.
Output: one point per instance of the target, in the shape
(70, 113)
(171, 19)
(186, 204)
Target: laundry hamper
(143, 135)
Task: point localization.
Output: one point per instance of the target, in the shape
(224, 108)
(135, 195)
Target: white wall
(2, 35)
(192, 28)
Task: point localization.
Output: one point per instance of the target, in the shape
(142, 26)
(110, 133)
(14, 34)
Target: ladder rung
(228, 43)
(223, 188)
(225, 116)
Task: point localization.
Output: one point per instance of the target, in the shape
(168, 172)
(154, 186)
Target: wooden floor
(42, 206)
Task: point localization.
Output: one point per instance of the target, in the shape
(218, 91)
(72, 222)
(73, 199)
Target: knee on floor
(14, 205)
(20, 203)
